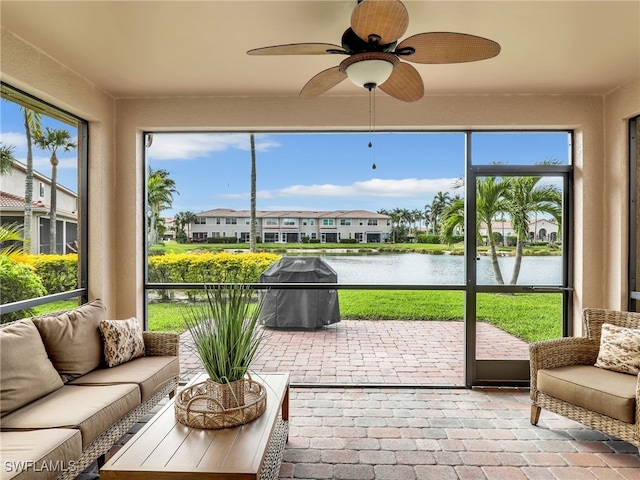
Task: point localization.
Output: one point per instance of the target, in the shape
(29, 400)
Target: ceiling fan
(374, 54)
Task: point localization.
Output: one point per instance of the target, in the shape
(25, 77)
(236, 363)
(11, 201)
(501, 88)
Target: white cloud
(376, 187)
(18, 140)
(189, 146)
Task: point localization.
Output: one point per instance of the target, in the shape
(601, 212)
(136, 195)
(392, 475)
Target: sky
(307, 171)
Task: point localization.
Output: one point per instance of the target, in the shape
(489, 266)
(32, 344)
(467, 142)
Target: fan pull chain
(372, 124)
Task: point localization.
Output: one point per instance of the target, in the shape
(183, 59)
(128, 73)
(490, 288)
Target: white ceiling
(192, 48)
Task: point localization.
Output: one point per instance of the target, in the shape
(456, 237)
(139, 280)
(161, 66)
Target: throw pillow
(122, 340)
(26, 371)
(72, 339)
(619, 349)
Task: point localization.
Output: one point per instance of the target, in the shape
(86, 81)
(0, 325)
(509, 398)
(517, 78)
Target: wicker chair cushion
(619, 349)
(122, 341)
(26, 372)
(59, 447)
(150, 373)
(92, 409)
(72, 339)
(603, 391)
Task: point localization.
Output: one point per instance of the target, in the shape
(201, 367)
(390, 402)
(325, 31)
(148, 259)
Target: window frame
(12, 94)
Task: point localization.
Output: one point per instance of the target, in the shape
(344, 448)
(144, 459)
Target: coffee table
(167, 449)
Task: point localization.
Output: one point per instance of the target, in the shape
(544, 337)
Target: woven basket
(203, 405)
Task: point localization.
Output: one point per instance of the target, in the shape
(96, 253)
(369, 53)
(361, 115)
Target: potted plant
(227, 335)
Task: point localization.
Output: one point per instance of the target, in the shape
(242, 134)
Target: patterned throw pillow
(619, 349)
(122, 341)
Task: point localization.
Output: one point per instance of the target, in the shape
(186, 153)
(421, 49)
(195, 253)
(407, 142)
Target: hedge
(19, 282)
(58, 273)
(209, 267)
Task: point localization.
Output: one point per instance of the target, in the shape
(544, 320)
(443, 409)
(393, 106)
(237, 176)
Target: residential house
(12, 185)
(293, 226)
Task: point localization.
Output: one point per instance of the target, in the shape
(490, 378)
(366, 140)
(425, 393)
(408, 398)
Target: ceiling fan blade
(405, 83)
(388, 19)
(322, 82)
(298, 49)
(448, 47)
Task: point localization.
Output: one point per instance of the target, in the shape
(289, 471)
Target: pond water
(421, 269)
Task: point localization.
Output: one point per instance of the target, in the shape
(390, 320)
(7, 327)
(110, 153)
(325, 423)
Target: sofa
(72, 384)
(593, 379)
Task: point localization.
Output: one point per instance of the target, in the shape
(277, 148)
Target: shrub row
(222, 240)
(58, 273)
(436, 240)
(209, 267)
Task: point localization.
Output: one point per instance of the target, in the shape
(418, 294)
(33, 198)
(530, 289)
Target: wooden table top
(167, 449)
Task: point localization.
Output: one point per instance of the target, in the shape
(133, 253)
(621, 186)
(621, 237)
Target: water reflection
(421, 269)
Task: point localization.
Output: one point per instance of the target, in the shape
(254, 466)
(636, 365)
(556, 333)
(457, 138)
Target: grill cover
(308, 309)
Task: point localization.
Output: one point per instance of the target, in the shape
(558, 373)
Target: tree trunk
(28, 188)
(252, 235)
(518, 262)
(53, 230)
(494, 256)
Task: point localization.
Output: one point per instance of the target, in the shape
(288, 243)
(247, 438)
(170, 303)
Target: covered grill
(308, 309)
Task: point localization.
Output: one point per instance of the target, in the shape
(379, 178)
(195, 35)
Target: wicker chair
(574, 351)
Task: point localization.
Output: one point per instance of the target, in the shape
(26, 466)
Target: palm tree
(178, 222)
(6, 158)
(490, 193)
(439, 203)
(52, 140)
(252, 231)
(11, 240)
(32, 127)
(417, 216)
(489, 202)
(396, 216)
(525, 197)
(188, 218)
(427, 217)
(160, 191)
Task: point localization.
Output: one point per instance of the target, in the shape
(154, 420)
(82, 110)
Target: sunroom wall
(620, 105)
(36, 73)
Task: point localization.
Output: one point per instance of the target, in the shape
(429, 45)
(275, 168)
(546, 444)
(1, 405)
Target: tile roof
(8, 200)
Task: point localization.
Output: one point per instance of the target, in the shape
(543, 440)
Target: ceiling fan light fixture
(369, 69)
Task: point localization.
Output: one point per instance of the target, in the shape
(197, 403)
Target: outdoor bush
(18, 282)
(512, 240)
(314, 240)
(422, 238)
(222, 240)
(208, 267)
(58, 273)
(157, 250)
(348, 240)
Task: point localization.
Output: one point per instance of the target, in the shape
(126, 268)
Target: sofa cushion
(122, 341)
(91, 409)
(150, 373)
(619, 349)
(39, 454)
(25, 369)
(603, 391)
(72, 339)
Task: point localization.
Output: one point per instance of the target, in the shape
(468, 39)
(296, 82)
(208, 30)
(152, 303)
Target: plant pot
(228, 395)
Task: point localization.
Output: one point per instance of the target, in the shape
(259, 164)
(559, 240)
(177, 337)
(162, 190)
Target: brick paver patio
(407, 433)
(357, 352)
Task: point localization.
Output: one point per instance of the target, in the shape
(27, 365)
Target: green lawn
(529, 316)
